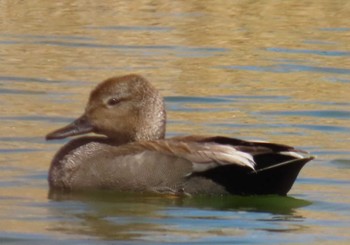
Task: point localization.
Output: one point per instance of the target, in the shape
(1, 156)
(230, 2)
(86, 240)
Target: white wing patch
(218, 155)
(203, 156)
(258, 141)
(292, 154)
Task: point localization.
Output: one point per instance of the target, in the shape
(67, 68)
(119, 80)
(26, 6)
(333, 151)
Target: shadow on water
(128, 216)
(263, 203)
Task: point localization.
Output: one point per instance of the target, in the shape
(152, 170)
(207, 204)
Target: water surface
(271, 70)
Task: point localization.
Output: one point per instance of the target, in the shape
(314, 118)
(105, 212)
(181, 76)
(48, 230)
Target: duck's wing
(202, 155)
(264, 154)
(276, 166)
(241, 167)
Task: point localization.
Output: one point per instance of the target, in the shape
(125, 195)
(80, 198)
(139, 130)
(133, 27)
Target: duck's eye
(113, 101)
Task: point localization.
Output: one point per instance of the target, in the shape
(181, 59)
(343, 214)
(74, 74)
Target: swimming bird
(129, 151)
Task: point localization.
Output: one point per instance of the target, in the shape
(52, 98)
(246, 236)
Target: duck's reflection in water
(113, 215)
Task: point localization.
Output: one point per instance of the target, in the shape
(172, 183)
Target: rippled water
(268, 70)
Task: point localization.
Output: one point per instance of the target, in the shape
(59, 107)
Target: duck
(128, 152)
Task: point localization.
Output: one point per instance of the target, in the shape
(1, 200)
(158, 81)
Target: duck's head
(125, 109)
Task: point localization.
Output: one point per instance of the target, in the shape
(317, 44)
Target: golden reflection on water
(186, 48)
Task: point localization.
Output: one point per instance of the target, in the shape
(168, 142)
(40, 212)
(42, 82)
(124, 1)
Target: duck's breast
(97, 165)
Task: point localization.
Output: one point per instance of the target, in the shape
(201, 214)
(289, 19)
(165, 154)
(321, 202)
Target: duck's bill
(78, 127)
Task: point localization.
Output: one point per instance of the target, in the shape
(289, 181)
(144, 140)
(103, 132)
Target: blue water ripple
(319, 113)
(116, 46)
(308, 51)
(33, 79)
(335, 29)
(287, 68)
(35, 118)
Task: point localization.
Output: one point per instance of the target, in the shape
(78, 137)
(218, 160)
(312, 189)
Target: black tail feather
(273, 179)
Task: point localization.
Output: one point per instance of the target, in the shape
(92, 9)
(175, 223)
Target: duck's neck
(153, 121)
(152, 127)
(150, 133)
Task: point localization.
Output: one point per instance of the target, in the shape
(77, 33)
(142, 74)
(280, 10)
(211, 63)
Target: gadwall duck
(132, 154)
